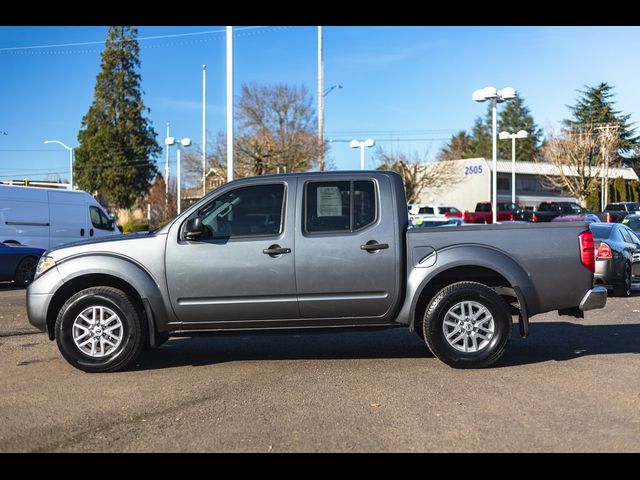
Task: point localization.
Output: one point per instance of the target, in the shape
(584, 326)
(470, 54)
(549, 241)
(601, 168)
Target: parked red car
(484, 214)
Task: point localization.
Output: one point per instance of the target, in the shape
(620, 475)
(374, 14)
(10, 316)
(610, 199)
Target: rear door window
(342, 206)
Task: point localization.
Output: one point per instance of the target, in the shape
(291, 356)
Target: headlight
(44, 264)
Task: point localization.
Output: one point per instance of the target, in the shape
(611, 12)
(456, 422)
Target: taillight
(608, 219)
(604, 252)
(511, 217)
(587, 251)
(534, 217)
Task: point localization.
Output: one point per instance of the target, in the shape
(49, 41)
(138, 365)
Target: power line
(339, 140)
(100, 42)
(34, 49)
(392, 132)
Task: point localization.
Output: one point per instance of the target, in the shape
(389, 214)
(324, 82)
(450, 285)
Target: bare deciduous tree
(161, 207)
(276, 129)
(417, 172)
(580, 156)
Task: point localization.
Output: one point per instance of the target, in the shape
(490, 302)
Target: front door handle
(373, 246)
(276, 250)
(91, 232)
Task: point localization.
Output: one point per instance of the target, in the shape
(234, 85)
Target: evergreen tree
(512, 117)
(516, 116)
(596, 107)
(117, 143)
(480, 144)
(456, 148)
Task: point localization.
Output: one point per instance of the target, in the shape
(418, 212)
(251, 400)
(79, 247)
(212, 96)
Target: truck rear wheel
(467, 325)
(99, 330)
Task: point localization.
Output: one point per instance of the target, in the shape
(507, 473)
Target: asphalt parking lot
(573, 385)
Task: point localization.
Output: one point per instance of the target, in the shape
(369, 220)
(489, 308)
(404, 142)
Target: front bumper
(594, 298)
(39, 295)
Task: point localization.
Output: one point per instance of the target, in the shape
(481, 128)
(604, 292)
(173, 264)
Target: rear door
(346, 265)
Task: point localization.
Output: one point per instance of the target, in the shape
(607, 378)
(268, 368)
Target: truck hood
(111, 243)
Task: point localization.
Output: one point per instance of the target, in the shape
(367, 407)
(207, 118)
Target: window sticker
(329, 202)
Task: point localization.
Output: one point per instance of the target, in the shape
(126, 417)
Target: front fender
(125, 269)
(461, 256)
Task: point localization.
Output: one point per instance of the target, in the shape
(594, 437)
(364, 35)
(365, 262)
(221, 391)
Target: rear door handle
(276, 250)
(370, 247)
(82, 232)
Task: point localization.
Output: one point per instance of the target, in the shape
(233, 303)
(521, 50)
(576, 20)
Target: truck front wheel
(99, 330)
(467, 325)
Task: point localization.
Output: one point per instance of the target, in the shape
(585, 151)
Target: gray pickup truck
(306, 252)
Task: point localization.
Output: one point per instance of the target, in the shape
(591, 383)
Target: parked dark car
(617, 211)
(547, 211)
(18, 263)
(633, 222)
(617, 251)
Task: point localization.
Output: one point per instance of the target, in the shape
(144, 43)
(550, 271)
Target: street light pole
(204, 127)
(494, 156)
(166, 172)
(320, 103)
(496, 96)
(513, 136)
(229, 103)
(369, 142)
(185, 142)
(70, 159)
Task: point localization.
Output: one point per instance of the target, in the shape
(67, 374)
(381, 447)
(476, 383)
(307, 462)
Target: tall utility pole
(204, 126)
(166, 172)
(320, 103)
(229, 104)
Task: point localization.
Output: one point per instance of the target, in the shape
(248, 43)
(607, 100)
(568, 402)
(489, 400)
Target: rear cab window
(340, 206)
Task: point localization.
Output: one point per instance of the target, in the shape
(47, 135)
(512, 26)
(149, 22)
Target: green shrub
(132, 226)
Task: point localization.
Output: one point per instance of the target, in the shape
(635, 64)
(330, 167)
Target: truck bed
(548, 254)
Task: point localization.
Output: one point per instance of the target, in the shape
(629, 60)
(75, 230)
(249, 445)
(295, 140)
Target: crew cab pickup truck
(304, 252)
(484, 213)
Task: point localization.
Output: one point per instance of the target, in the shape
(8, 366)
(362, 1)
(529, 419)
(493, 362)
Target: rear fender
(469, 256)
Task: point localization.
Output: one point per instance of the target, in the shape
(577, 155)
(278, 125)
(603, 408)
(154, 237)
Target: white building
(475, 184)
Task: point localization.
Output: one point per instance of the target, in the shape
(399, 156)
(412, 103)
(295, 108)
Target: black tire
(434, 327)
(623, 289)
(133, 332)
(25, 271)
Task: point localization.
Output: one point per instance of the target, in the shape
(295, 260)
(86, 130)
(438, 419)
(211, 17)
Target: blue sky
(407, 87)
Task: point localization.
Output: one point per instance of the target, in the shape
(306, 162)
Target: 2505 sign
(473, 170)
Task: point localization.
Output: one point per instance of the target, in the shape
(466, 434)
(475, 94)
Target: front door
(242, 268)
(346, 249)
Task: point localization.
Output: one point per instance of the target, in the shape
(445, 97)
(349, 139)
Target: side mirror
(194, 229)
(110, 225)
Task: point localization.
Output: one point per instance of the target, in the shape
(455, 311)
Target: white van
(48, 217)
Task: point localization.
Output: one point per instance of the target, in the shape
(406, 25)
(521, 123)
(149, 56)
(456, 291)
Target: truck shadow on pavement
(548, 341)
